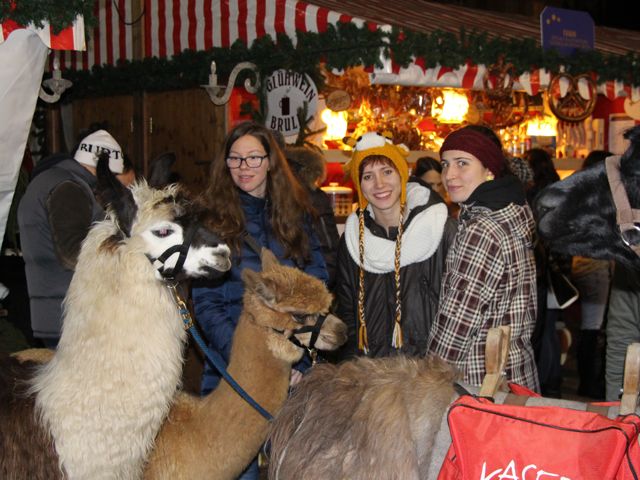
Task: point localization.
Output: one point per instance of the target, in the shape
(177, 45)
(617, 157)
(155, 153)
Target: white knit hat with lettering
(92, 145)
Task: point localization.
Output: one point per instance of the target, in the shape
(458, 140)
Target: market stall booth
(399, 69)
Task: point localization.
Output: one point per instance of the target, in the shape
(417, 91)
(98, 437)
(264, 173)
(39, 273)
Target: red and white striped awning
(614, 89)
(71, 38)
(172, 26)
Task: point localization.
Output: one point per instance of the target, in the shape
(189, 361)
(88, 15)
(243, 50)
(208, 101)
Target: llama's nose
(547, 200)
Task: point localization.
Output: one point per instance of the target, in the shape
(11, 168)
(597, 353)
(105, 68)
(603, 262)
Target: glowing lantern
(336, 123)
(542, 126)
(450, 107)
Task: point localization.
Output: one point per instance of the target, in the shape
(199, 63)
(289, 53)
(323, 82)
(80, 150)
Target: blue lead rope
(214, 357)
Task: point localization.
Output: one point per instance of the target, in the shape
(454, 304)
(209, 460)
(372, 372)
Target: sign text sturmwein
(287, 92)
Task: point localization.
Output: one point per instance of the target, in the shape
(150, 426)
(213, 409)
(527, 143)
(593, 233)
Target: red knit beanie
(479, 145)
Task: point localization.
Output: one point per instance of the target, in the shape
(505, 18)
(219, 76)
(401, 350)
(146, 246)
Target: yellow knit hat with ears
(374, 143)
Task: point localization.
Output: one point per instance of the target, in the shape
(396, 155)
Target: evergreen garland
(59, 13)
(339, 47)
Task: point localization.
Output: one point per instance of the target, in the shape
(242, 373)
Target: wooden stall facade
(181, 121)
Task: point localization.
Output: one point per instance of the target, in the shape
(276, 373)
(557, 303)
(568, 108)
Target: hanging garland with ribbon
(59, 14)
(343, 46)
(339, 47)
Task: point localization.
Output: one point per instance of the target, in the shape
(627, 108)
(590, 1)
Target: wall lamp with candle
(55, 84)
(220, 94)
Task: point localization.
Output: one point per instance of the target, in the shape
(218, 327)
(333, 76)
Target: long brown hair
(288, 201)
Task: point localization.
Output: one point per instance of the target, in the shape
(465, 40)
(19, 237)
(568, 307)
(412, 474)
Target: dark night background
(608, 13)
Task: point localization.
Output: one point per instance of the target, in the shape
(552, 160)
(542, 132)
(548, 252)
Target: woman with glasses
(252, 190)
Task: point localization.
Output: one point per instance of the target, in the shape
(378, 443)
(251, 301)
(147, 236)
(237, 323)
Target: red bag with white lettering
(499, 442)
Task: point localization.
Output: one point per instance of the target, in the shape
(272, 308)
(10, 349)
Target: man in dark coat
(54, 217)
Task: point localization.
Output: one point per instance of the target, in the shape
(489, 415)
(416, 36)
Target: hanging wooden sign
(287, 92)
(338, 100)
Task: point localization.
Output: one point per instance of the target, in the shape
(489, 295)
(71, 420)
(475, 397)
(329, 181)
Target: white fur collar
(419, 240)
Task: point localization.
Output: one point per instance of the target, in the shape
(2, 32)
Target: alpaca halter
(315, 333)
(627, 218)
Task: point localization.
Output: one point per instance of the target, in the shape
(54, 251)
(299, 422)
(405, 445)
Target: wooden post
(53, 129)
(140, 147)
(631, 386)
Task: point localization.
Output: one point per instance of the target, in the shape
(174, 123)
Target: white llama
(110, 384)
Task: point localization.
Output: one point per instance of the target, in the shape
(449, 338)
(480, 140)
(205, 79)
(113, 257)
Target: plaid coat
(490, 280)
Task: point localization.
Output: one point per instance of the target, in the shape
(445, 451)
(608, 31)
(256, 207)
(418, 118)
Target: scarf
(420, 239)
(497, 194)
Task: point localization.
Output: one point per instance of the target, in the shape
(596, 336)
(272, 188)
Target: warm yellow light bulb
(336, 123)
(542, 126)
(451, 107)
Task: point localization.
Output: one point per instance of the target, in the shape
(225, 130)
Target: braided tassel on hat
(363, 343)
(396, 339)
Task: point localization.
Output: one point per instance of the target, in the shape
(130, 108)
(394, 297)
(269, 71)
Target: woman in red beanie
(490, 275)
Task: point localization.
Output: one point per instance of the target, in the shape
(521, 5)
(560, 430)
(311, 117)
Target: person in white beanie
(54, 216)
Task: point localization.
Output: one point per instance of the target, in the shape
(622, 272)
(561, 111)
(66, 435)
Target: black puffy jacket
(419, 282)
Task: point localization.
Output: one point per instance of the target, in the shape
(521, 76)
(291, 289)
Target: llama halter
(170, 273)
(627, 218)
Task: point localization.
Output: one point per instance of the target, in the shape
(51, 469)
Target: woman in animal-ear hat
(490, 278)
(391, 256)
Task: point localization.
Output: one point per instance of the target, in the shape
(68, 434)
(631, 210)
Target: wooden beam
(139, 150)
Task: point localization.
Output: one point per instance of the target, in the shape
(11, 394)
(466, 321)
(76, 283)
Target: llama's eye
(163, 232)
(304, 318)
(299, 317)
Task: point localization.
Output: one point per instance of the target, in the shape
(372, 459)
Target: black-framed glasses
(252, 161)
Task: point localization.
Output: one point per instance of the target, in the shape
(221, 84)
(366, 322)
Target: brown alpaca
(217, 436)
(363, 419)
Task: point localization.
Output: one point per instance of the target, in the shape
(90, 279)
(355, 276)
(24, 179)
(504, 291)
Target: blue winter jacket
(218, 303)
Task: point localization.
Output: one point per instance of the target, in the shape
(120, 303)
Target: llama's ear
(254, 281)
(160, 170)
(268, 259)
(110, 192)
(250, 277)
